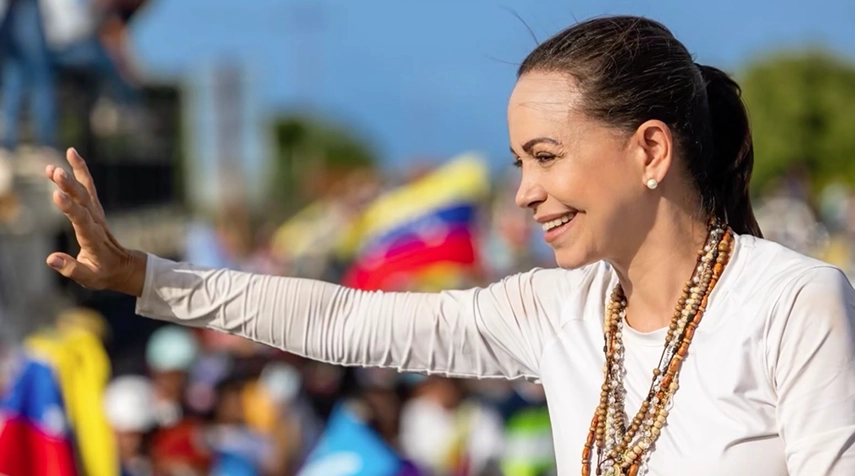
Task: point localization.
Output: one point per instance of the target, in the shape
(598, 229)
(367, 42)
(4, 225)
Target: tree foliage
(311, 155)
(802, 110)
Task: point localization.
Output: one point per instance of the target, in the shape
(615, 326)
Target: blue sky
(430, 78)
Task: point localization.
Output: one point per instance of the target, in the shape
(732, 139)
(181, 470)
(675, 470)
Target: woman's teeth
(558, 222)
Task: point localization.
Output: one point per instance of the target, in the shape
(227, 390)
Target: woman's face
(583, 180)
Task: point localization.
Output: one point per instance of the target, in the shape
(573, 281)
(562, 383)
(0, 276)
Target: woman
(633, 159)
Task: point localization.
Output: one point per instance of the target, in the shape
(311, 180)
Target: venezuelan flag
(35, 439)
(423, 231)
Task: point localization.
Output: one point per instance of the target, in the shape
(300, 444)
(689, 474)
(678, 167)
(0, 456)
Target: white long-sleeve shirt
(768, 387)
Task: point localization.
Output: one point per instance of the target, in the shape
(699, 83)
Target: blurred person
(73, 29)
(276, 402)
(208, 370)
(170, 354)
(323, 384)
(129, 406)
(527, 449)
(240, 448)
(837, 212)
(835, 206)
(27, 73)
(225, 241)
(788, 219)
(232, 442)
(508, 239)
(264, 259)
(115, 35)
(636, 162)
(446, 434)
(297, 425)
(181, 450)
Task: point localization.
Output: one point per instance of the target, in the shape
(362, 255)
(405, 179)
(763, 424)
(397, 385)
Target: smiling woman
(672, 340)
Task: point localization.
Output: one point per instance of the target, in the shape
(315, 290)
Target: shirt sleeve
(812, 356)
(496, 331)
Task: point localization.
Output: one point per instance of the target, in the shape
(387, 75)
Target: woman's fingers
(88, 232)
(81, 192)
(81, 173)
(71, 268)
(71, 187)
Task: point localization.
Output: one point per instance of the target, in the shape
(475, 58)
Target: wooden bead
(673, 367)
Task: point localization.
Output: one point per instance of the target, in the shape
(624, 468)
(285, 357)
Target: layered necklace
(622, 448)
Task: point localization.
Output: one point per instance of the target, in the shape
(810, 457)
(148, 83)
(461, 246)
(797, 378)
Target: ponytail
(729, 170)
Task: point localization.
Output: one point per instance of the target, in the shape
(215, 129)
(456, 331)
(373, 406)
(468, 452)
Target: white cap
(129, 404)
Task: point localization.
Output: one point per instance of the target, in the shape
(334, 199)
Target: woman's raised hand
(102, 262)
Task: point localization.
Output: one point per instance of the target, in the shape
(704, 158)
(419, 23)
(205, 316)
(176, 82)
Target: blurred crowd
(210, 404)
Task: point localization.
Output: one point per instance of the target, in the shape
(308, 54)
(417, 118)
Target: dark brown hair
(630, 70)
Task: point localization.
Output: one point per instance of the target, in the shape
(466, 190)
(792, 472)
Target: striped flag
(423, 230)
(35, 438)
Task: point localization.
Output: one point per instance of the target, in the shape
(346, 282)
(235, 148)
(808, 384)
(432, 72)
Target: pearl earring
(652, 184)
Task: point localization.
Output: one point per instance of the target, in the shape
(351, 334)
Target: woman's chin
(572, 258)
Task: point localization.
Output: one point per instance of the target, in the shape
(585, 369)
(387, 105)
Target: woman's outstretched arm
(495, 331)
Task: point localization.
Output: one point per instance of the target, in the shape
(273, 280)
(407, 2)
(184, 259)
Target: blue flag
(349, 447)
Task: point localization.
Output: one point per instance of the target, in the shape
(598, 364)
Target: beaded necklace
(622, 449)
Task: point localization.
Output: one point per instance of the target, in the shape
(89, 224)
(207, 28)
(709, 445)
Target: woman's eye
(544, 158)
